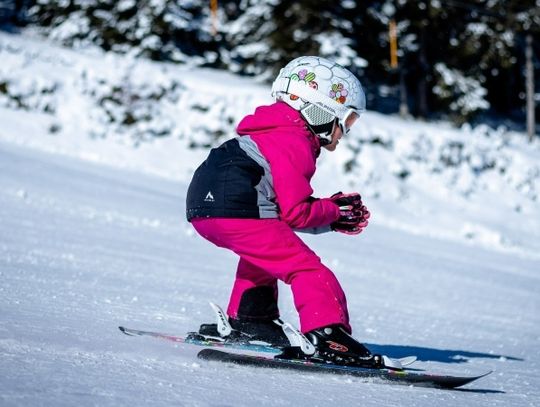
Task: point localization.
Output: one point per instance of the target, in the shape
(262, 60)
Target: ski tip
(485, 374)
(479, 376)
(124, 330)
(461, 381)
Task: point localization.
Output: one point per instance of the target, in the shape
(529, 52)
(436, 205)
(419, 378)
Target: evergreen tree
(315, 28)
(491, 47)
(12, 13)
(245, 47)
(457, 57)
(159, 29)
(265, 35)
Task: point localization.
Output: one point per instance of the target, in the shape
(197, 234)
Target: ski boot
(333, 345)
(269, 331)
(242, 331)
(249, 332)
(257, 321)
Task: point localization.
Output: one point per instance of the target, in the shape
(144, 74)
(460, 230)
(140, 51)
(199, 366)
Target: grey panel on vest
(265, 190)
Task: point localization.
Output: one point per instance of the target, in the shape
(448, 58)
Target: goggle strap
(313, 96)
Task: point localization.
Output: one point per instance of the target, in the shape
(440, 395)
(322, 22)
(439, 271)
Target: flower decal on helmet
(306, 77)
(339, 93)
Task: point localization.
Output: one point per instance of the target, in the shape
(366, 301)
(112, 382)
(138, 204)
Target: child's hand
(353, 214)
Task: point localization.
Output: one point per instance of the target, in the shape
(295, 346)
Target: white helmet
(323, 91)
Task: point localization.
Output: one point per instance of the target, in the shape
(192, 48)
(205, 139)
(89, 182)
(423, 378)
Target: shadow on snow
(434, 355)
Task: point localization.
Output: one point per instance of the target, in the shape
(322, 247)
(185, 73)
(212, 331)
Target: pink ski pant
(269, 250)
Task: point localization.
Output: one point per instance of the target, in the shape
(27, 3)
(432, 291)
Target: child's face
(337, 133)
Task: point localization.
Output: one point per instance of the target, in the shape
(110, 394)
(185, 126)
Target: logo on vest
(209, 197)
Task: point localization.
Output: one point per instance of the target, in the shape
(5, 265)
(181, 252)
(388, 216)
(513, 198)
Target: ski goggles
(347, 121)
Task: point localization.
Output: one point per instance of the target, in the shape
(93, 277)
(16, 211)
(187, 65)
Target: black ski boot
(268, 331)
(334, 345)
(257, 320)
(254, 332)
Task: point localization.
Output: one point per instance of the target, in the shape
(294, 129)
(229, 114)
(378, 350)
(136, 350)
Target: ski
(223, 338)
(406, 377)
(193, 338)
(198, 340)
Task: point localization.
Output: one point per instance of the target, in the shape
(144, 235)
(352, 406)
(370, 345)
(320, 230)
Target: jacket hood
(278, 117)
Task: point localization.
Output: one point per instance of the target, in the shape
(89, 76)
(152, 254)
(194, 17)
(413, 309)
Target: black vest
(228, 184)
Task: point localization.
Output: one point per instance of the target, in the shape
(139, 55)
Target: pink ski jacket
(264, 173)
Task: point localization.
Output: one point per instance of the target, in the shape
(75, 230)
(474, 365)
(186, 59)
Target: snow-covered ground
(478, 185)
(85, 248)
(92, 236)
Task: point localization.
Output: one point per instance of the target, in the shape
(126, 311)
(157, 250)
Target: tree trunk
(529, 75)
(423, 109)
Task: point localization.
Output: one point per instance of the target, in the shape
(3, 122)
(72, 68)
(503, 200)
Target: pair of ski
(398, 376)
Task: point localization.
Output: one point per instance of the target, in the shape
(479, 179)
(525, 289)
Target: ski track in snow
(85, 248)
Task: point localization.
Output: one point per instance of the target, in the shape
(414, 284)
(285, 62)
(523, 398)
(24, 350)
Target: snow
(453, 82)
(93, 235)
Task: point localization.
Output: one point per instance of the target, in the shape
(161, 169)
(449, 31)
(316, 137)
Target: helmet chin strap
(319, 122)
(323, 132)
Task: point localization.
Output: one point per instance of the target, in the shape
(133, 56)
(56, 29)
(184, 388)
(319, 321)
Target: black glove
(353, 214)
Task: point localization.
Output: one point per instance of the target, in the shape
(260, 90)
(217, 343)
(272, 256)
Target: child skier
(253, 192)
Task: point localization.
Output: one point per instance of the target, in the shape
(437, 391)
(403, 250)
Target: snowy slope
(85, 248)
(478, 185)
(92, 236)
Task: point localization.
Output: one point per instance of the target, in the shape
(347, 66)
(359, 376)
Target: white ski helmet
(323, 91)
